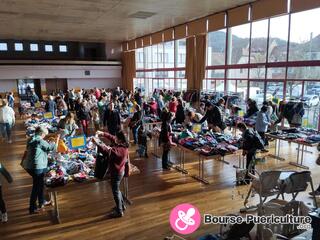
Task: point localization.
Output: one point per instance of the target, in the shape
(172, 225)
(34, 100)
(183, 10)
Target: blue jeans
(117, 194)
(64, 112)
(135, 133)
(5, 129)
(37, 192)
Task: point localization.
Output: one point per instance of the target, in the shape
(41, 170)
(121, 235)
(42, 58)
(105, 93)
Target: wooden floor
(154, 193)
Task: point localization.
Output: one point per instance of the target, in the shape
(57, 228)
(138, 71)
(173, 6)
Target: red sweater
(173, 106)
(118, 155)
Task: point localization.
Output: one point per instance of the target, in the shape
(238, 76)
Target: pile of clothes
(72, 166)
(233, 120)
(151, 119)
(32, 124)
(302, 135)
(209, 143)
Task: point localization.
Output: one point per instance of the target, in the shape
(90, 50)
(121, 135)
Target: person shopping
(118, 156)
(7, 121)
(35, 162)
(3, 210)
(165, 139)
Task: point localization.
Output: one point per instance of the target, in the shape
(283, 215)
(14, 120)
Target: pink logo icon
(185, 218)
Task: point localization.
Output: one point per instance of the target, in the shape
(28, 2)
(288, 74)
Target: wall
(90, 83)
(100, 76)
(8, 85)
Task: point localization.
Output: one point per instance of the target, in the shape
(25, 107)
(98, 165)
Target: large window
(305, 36)
(181, 53)
(278, 38)
(238, 44)
(139, 58)
(259, 42)
(216, 51)
(161, 66)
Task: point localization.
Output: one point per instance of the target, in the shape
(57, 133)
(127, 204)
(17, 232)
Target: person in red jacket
(153, 106)
(118, 152)
(173, 105)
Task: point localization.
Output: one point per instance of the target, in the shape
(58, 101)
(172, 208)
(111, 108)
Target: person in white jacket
(7, 121)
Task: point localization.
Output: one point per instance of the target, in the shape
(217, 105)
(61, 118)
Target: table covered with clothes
(27, 110)
(204, 144)
(303, 137)
(32, 123)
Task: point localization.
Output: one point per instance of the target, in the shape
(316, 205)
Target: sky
(302, 24)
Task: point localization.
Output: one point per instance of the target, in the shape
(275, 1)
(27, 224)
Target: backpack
(252, 140)
(258, 141)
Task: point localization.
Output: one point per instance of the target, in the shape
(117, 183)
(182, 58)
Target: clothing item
(37, 153)
(165, 158)
(262, 122)
(118, 155)
(5, 129)
(173, 105)
(112, 121)
(117, 194)
(7, 115)
(37, 192)
(85, 126)
(51, 106)
(2, 203)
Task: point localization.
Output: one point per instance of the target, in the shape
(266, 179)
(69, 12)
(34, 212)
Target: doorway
(27, 86)
(53, 85)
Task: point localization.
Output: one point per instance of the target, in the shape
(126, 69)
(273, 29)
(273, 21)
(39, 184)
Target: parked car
(310, 100)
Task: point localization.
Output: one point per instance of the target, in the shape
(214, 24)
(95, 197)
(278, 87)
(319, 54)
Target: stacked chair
(275, 184)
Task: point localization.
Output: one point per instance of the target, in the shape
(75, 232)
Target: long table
(301, 149)
(53, 193)
(201, 158)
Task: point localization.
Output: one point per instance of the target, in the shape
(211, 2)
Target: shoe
(315, 193)
(264, 150)
(166, 168)
(116, 214)
(115, 209)
(146, 156)
(45, 204)
(4, 217)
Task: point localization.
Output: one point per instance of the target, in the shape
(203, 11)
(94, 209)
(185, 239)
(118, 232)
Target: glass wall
(161, 66)
(270, 59)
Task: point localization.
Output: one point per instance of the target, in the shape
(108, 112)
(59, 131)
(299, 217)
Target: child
(6, 174)
(95, 118)
(143, 141)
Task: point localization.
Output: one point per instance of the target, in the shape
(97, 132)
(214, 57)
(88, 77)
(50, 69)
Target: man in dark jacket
(112, 119)
(252, 108)
(214, 116)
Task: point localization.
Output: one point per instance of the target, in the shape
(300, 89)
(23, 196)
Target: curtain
(190, 56)
(196, 61)
(128, 69)
(200, 61)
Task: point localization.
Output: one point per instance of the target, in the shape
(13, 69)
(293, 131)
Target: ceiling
(99, 20)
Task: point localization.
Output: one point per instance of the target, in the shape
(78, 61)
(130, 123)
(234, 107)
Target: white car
(311, 100)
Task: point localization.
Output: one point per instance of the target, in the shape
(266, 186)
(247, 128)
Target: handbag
(102, 165)
(127, 167)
